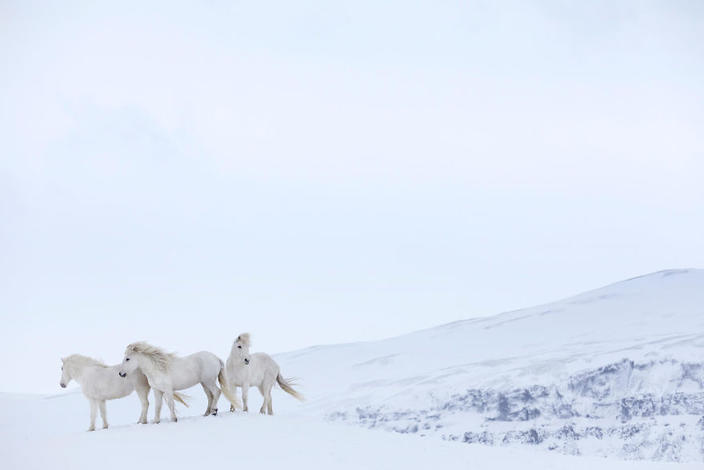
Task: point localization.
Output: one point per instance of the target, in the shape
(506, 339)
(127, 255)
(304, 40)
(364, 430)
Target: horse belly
(121, 392)
(181, 383)
(107, 385)
(185, 375)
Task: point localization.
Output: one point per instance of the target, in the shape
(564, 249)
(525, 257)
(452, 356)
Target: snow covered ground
(615, 372)
(41, 433)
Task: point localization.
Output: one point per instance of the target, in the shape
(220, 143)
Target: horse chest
(239, 374)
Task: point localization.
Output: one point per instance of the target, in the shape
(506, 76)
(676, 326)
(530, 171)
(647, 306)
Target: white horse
(167, 373)
(255, 370)
(100, 382)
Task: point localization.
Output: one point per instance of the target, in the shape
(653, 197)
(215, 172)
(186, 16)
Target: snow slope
(617, 371)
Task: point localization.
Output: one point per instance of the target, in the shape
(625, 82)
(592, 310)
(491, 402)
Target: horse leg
(157, 406)
(245, 394)
(269, 409)
(169, 396)
(143, 394)
(234, 392)
(103, 414)
(262, 410)
(215, 392)
(210, 399)
(93, 412)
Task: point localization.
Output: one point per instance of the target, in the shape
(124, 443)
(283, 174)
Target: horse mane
(157, 356)
(82, 361)
(244, 338)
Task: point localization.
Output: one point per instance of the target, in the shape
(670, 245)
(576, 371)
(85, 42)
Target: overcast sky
(330, 171)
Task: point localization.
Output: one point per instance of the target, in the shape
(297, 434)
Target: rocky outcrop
(650, 410)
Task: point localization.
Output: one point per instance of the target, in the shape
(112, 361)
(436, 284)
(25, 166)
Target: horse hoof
(175, 420)
(105, 426)
(215, 412)
(91, 429)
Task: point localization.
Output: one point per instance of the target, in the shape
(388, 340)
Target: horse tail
(287, 386)
(181, 399)
(227, 391)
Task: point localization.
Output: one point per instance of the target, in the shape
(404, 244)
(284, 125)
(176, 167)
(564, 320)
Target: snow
(47, 433)
(613, 372)
(658, 316)
(616, 371)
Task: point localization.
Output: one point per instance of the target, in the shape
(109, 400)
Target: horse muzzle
(246, 361)
(122, 374)
(63, 385)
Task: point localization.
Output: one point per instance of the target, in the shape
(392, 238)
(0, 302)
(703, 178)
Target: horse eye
(239, 347)
(127, 359)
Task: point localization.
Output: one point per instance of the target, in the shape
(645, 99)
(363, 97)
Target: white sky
(320, 172)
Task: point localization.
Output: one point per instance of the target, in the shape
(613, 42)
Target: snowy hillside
(618, 371)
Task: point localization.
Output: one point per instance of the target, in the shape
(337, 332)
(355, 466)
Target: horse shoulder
(236, 372)
(138, 378)
(232, 363)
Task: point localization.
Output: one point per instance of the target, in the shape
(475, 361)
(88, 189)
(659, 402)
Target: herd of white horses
(146, 367)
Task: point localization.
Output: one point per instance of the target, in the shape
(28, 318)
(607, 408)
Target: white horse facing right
(254, 370)
(100, 382)
(167, 373)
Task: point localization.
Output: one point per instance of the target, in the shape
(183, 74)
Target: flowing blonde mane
(78, 360)
(157, 356)
(244, 339)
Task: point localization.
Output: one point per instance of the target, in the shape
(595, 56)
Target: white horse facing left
(167, 373)
(100, 383)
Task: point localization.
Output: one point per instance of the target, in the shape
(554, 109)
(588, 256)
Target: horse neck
(78, 372)
(147, 366)
(238, 359)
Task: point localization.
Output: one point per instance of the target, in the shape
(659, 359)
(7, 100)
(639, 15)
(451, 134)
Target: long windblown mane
(78, 360)
(158, 356)
(244, 338)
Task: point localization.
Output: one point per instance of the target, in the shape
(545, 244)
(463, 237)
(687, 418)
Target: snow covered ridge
(617, 371)
(598, 412)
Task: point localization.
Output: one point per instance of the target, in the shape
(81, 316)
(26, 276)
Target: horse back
(204, 364)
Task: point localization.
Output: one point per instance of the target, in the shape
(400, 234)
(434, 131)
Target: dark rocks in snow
(593, 431)
(615, 407)
(531, 436)
(642, 406)
(483, 437)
